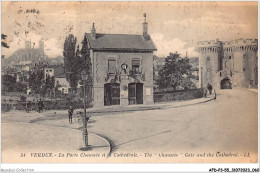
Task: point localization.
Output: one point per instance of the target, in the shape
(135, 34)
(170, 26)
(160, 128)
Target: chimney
(145, 27)
(93, 32)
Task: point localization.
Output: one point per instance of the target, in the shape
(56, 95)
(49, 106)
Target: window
(46, 70)
(226, 64)
(229, 57)
(244, 69)
(208, 58)
(135, 66)
(50, 70)
(220, 74)
(111, 66)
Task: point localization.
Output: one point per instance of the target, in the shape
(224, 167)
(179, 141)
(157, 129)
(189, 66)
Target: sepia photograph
(129, 82)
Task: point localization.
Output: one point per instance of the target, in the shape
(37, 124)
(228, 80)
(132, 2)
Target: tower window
(229, 57)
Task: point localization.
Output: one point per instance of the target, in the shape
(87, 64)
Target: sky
(173, 26)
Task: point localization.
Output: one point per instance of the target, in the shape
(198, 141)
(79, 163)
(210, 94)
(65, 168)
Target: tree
(175, 74)
(3, 43)
(85, 52)
(36, 79)
(49, 84)
(8, 83)
(70, 61)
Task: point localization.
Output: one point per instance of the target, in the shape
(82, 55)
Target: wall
(100, 71)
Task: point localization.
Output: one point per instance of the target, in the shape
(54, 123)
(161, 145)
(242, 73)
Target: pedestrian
(40, 105)
(205, 92)
(209, 86)
(70, 111)
(28, 106)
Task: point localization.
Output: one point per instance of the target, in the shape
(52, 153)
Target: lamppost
(84, 77)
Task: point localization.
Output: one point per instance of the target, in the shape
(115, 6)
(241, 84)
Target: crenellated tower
(210, 62)
(228, 64)
(240, 57)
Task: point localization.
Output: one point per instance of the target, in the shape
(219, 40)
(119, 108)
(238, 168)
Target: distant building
(194, 62)
(122, 67)
(62, 84)
(228, 64)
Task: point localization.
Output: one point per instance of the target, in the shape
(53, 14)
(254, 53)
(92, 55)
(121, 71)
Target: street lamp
(84, 78)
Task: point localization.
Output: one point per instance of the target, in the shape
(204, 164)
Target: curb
(156, 107)
(110, 142)
(105, 139)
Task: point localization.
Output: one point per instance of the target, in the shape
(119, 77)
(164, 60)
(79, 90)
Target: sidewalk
(175, 104)
(253, 90)
(65, 136)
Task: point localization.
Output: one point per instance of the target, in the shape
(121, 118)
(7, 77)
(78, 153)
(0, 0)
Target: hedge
(177, 96)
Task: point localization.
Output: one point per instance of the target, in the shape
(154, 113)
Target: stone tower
(228, 64)
(41, 46)
(241, 59)
(210, 62)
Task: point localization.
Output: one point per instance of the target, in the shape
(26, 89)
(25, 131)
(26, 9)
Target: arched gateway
(226, 84)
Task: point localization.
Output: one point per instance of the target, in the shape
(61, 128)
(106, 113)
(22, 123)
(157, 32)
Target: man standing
(40, 106)
(70, 111)
(209, 88)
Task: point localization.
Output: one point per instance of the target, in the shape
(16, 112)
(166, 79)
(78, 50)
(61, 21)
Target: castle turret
(241, 56)
(210, 62)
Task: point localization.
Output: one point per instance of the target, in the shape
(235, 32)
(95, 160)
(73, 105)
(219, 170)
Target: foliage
(75, 61)
(22, 98)
(3, 43)
(20, 87)
(70, 61)
(175, 74)
(85, 52)
(177, 96)
(8, 83)
(36, 80)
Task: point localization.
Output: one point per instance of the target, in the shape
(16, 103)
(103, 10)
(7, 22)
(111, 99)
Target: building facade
(122, 68)
(228, 64)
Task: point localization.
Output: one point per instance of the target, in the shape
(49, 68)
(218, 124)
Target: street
(226, 125)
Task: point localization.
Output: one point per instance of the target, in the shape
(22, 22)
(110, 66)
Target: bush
(23, 98)
(176, 96)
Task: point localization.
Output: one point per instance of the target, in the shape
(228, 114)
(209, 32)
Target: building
(228, 64)
(122, 67)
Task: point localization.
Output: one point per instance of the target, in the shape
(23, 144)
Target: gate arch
(226, 84)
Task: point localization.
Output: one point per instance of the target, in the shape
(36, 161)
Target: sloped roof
(121, 42)
(59, 70)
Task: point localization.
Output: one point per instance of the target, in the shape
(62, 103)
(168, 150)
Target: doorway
(111, 94)
(135, 93)
(226, 84)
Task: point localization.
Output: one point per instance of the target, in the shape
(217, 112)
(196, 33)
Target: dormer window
(135, 66)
